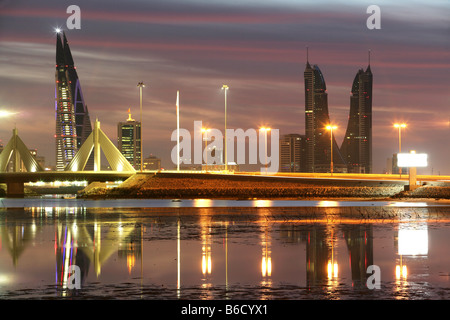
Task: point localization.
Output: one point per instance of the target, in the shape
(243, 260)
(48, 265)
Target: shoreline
(193, 186)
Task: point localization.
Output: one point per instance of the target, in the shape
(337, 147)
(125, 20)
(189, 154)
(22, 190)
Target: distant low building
(152, 163)
(292, 153)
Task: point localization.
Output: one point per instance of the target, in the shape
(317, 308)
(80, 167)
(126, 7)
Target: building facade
(129, 141)
(357, 145)
(73, 124)
(292, 153)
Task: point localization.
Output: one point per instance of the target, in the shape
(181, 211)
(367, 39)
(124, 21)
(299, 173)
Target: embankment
(212, 186)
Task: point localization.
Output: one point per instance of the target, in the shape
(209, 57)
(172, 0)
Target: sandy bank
(191, 186)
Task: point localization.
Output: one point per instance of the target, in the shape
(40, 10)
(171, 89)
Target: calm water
(233, 250)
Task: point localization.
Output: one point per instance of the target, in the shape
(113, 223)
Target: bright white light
(4, 113)
(405, 160)
(413, 242)
(57, 30)
(326, 203)
(262, 203)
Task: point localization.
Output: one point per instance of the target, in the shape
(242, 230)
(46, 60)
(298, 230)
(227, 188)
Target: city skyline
(196, 47)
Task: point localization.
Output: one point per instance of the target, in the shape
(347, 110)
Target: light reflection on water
(268, 252)
(204, 203)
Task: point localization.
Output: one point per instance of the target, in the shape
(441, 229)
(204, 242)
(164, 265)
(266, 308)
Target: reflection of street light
(265, 144)
(266, 266)
(401, 271)
(141, 85)
(399, 126)
(331, 128)
(205, 131)
(266, 262)
(225, 87)
(332, 269)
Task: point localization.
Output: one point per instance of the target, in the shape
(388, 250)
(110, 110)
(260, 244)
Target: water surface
(223, 250)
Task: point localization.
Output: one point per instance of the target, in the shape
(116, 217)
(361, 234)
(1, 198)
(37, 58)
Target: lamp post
(331, 128)
(205, 131)
(178, 130)
(265, 130)
(399, 126)
(141, 85)
(225, 88)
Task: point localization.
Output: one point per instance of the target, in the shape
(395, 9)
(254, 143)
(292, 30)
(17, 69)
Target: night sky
(257, 48)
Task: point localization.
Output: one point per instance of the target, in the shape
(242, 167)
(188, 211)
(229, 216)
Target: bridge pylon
(19, 153)
(96, 142)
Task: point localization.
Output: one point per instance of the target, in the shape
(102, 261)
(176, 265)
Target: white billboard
(405, 160)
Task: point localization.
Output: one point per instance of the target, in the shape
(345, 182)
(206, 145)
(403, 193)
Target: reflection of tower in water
(66, 249)
(359, 240)
(81, 244)
(318, 253)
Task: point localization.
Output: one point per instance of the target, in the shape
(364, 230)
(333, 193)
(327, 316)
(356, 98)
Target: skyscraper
(129, 141)
(73, 124)
(357, 145)
(318, 139)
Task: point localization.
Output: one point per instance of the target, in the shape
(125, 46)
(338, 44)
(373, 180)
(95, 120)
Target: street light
(225, 88)
(4, 113)
(205, 131)
(331, 128)
(141, 85)
(399, 126)
(265, 130)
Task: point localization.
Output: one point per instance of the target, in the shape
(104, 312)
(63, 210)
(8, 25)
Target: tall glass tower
(357, 145)
(318, 139)
(73, 124)
(129, 141)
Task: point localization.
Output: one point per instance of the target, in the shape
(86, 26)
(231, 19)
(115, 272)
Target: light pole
(178, 130)
(205, 131)
(331, 128)
(225, 88)
(141, 85)
(265, 144)
(399, 126)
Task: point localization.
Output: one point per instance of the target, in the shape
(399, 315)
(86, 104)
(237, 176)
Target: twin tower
(355, 153)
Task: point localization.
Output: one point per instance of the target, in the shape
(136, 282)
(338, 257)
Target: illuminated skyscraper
(129, 141)
(73, 124)
(357, 145)
(318, 139)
